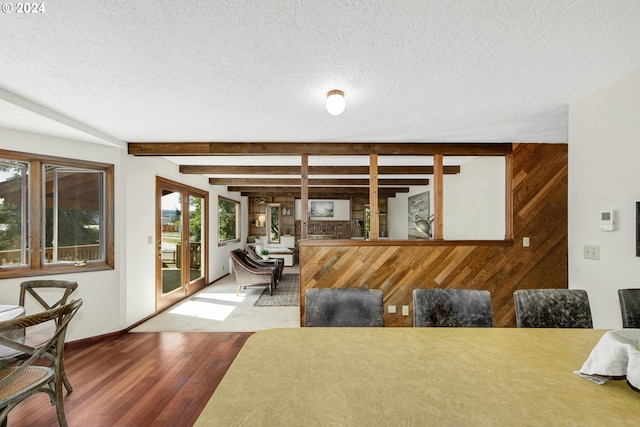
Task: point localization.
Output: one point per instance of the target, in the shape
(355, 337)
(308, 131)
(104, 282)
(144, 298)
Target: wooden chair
(23, 380)
(343, 307)
(552, 308)
(35, 288)
(630, 307)
(48, 294)
(248, 274)
(452, 308)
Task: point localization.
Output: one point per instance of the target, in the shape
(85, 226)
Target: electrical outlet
(391, 309)
(405, 310)
(592, 252)
(525, 242)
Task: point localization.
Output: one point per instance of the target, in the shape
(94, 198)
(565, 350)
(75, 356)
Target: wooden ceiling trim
(314, 148)
(317, 190)
(292, 182)
(337, 194)
(313, 170)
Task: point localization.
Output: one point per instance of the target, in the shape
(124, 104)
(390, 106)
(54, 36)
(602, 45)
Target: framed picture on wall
(321, 209)
(419, 217)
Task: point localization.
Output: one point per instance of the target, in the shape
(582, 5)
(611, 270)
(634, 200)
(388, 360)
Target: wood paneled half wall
(539, 183)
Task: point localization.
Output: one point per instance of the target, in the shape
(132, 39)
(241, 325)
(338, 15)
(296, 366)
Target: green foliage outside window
(228, 212)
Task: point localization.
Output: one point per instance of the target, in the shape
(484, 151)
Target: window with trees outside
(228, 221)
(55, 215)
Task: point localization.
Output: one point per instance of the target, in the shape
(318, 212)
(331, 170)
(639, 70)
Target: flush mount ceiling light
(335, 102)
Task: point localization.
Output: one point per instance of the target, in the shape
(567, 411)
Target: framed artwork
(321, 209)
(419, 217)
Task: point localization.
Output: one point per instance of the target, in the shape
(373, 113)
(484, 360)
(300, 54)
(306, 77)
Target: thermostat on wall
(607, 220)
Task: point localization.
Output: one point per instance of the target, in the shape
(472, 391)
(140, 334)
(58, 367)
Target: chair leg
(238, 290)
(66, 382)
(56, 397)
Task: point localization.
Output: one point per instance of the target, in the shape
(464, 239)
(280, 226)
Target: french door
(181, 230)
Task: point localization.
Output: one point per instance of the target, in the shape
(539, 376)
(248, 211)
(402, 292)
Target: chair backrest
(630, 307)
(61, 315)
(452, 307)
(252, 250)
(30, 376)
(346, 307)
(35, 287)
(552, 308)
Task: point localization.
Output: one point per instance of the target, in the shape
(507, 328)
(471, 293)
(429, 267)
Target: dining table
(9, 312)
(418, 377)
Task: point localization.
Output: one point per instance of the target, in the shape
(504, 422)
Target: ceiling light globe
(335, 102)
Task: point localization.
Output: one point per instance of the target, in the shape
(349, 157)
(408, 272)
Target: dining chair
(343, 307)
(630, 307)
(452, 308)
(48, 294)
(552, 308)
(19, 382)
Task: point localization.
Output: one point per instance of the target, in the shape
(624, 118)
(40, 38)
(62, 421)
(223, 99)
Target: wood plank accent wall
(539, 182)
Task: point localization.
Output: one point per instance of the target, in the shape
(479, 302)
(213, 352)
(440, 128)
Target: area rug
(286, 294)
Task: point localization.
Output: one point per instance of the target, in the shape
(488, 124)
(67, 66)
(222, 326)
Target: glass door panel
(196, 237)
(171, 236)
(181, 224)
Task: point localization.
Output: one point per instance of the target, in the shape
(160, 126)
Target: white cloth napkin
(615, 355)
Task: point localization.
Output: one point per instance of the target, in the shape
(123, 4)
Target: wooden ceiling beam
(313, 170)
(262, 191)
(314, 195)
(314, 148)
(293, 182)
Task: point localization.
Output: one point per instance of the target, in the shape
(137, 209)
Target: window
(55, 215)
(228, 221)
(74, 215)
(13, 213)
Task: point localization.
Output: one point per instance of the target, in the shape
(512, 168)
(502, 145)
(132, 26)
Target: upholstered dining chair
(452, 307)
(630, 307)
(48, 294)
(343, 307)
(18, 382)
(552, 308)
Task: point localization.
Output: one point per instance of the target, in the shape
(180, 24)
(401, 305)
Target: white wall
(473, 203)
(116, 299)
(604, 173)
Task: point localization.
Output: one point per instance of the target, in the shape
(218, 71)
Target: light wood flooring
(138, 379)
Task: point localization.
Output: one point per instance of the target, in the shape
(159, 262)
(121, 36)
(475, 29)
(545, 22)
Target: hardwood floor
(138, 379)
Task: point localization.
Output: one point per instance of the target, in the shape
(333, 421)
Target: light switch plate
(592, 252)
(391, 309)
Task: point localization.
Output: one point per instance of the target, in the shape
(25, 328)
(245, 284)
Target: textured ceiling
(233, 70)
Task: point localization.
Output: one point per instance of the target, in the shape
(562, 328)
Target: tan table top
(417, 377)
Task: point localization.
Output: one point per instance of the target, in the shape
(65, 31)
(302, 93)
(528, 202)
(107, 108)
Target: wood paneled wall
(397, 267)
